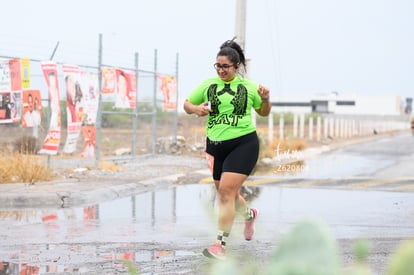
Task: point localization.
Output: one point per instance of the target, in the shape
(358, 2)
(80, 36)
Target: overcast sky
(296, 47)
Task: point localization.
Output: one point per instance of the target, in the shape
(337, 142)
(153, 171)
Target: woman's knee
(226, 194)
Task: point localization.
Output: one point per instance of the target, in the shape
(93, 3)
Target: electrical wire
(275, 45)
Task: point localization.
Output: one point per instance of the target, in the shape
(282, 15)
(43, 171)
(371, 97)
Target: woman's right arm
(188, 107)
(200, 110)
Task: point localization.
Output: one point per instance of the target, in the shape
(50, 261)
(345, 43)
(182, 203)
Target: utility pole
(241, 22)
(241, 36)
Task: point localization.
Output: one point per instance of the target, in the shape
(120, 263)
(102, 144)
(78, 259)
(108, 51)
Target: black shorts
(238, 155)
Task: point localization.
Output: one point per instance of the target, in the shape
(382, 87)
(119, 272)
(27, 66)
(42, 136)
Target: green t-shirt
(231, 105)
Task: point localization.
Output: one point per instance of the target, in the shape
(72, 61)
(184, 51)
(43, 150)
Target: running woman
(232, 142)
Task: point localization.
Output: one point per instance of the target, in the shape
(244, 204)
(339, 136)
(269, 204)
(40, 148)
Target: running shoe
(249, 225)
(215, 251)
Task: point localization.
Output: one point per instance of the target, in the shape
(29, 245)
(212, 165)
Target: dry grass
(103, 165)
(289, 144)
(284, 147)
(22, 168)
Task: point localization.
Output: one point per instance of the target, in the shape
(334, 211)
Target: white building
(342, 105)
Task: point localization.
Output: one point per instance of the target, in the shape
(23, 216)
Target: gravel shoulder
(78, 182)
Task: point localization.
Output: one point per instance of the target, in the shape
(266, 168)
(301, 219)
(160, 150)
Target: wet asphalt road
(363, 191)
(387, 158)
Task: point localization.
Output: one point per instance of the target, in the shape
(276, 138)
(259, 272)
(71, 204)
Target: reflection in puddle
(108, 234)
(74, 257)
(164, 225)
(11, 268)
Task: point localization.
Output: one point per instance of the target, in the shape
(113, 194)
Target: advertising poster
(15, 74)
(10, 106)
(108, 79)
(19, 69)
(32, 108)
(168, 87)
(25, 72)
(74, 106)
(89, 84)
(125, 89)
(52, 140)
(89, 145)
(5, 83)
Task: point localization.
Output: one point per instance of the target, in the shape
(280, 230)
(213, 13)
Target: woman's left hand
(263, 92)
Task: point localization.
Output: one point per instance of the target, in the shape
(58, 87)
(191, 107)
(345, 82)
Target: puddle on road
(72, 258)
(155, 225)
(108, 234)
(189, 207)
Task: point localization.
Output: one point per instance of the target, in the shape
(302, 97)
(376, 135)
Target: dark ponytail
(234, 52)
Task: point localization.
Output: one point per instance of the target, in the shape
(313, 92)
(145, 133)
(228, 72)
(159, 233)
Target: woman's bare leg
(228, 197)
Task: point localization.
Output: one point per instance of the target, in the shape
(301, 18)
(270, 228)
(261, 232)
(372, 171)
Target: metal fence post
(295, 125)
(154, 105)
(176, 101)
(135, 117)
(270, 128)
(302, 125)
(99, 111)
(281, 126)
(310, 128)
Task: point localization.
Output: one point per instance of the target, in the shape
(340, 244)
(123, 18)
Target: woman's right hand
(203, 109)
(200, 110)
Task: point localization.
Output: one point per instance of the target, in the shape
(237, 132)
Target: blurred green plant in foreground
(309, 248)
(402, 263)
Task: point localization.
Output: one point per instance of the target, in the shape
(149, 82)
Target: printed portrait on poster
(125, 89)
(10, 106)
(32, 108)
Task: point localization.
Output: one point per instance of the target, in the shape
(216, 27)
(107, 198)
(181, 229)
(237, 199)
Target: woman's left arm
(265, 106)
